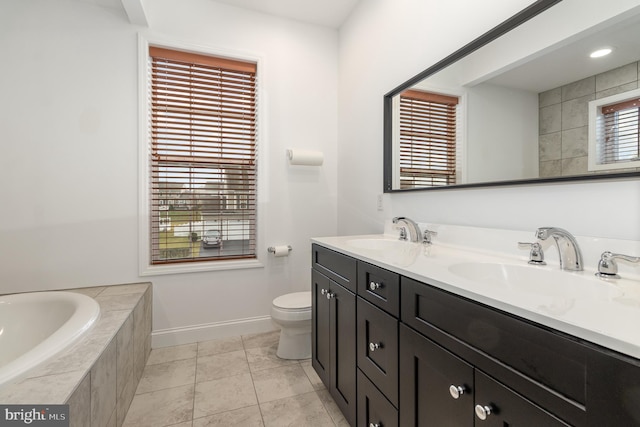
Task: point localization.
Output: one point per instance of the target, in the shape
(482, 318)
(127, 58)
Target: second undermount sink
(537, 280)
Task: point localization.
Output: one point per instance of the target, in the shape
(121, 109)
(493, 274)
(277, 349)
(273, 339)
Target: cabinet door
(507, 408)
(343, 350)
(427, 372)
(614, 389)
(320, 326)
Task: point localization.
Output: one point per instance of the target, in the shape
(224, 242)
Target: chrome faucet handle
(536, 255)
(608, 267)
(403, 233)
(427, 235)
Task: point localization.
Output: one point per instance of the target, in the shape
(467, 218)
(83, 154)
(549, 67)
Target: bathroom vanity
(398, 339)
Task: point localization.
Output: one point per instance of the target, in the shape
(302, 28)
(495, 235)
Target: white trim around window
(145, 266)
(597, 134)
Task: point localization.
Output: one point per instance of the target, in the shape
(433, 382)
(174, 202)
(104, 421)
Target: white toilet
(292, 313)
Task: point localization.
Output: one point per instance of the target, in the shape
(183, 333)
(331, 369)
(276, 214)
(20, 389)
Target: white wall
(375, 57)
(68, 169)
(502, 134)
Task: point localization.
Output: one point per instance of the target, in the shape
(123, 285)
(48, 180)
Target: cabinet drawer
(539, 354)
(373, 407)
(377, 349)
(380, 287)
(340, 268)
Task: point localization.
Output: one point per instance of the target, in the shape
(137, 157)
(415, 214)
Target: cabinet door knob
(374, 425)
(483, 411)
(323, 291)
(374, 285)
(330, 295)
(456, 391)
(374, 346)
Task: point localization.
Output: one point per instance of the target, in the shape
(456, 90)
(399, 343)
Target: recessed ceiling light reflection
(601, 52)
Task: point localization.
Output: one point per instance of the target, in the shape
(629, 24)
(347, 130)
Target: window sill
(196, 267)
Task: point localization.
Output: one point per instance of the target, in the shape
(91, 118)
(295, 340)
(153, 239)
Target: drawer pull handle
(374, 285)
(375, 425)
(330, 295)
(374, 346)
(482, 412)
(456, 391)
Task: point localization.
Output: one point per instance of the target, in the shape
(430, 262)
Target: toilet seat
(297, 301)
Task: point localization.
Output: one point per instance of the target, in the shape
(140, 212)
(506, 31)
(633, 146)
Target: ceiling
(570, 62)
(330, 13)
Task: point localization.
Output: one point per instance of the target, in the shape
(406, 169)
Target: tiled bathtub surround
(564, 115)
(98, 375)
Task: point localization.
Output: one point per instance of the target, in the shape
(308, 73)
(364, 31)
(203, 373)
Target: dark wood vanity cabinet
(447, 391)
(333, 330)
(547, 368)
(440, 389)
(421, 356)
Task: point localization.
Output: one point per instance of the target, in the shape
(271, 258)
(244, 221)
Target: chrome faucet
(414, 229)
(570, 255)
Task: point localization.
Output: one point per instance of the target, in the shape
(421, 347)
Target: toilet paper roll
(305, 157)
(282, 250)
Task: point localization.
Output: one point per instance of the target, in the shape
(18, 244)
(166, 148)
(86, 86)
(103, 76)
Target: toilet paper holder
(272, 249)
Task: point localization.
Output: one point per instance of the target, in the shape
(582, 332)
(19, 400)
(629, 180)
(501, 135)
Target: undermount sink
(537, 280)
(393, 251)
(379, 244)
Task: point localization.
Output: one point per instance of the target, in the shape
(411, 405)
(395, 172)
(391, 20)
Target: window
(620, 132)
(427, 139)
(614, 140)
(202, 151)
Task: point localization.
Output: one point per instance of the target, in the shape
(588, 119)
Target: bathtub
(36, 326)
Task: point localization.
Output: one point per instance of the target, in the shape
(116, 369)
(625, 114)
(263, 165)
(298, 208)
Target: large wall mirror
(505, 110)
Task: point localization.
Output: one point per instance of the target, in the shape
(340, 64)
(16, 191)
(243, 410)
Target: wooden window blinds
(202, 157)
(621, 132)
(427, 139)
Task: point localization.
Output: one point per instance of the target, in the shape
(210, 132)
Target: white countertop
(607, 313)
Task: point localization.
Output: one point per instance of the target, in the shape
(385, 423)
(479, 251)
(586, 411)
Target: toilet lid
(296, 300)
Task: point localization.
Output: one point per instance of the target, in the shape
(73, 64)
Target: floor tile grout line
(221, 412)
(255, 391)
(195, 385)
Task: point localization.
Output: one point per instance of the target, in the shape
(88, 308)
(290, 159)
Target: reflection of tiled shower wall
(564, 119)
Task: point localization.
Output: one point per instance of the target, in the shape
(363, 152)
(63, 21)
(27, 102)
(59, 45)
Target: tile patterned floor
(230, 382)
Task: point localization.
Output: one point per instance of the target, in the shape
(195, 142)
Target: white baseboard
(211, 331)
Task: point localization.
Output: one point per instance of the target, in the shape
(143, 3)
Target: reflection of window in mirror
(613, 137)
(427, 139)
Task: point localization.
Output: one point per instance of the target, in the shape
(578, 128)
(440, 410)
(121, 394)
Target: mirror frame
(519, 18)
